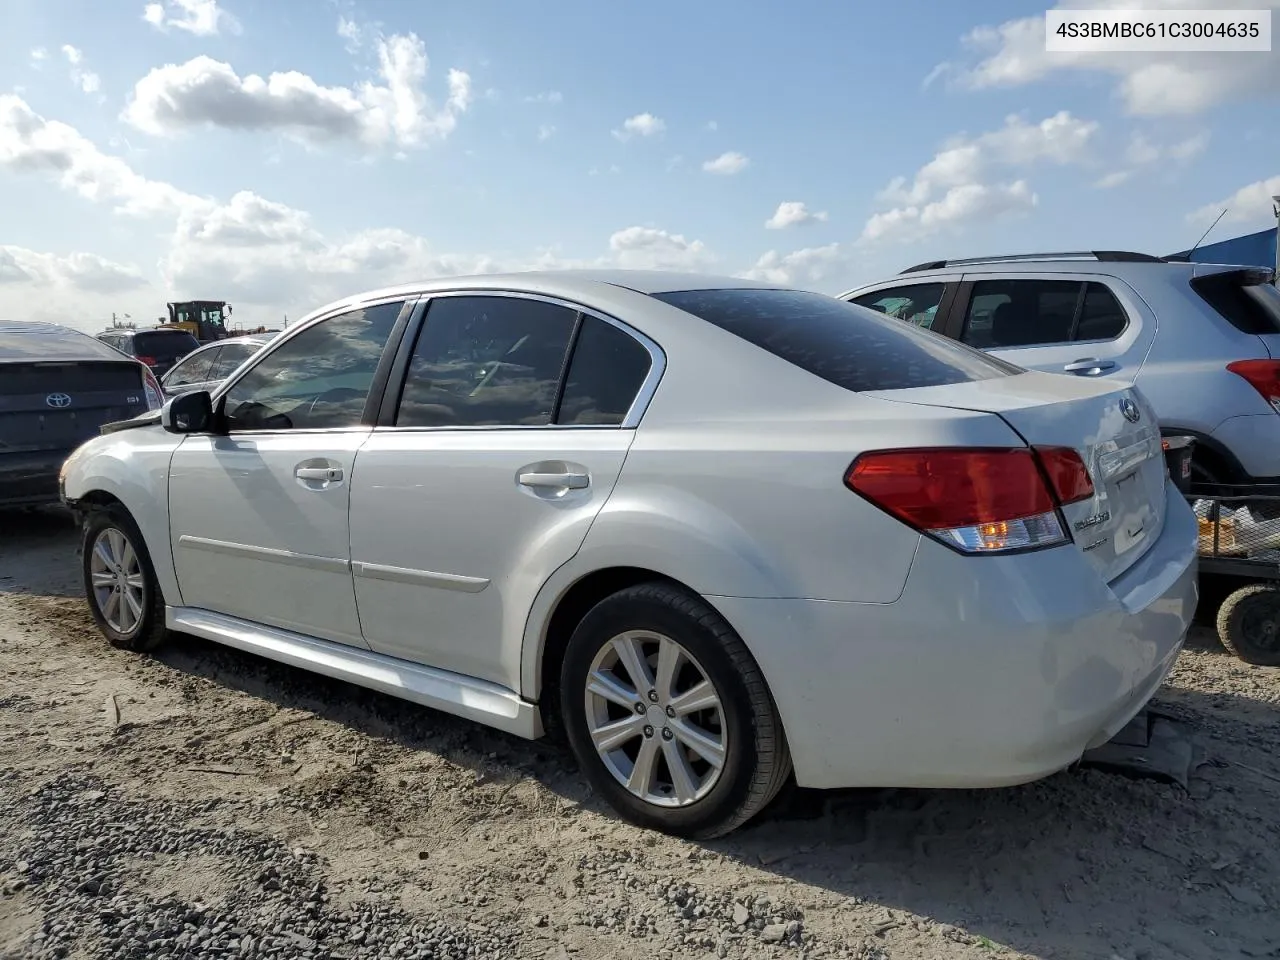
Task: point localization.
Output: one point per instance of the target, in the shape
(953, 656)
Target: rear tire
(1249, 624)
(120, 582)
(696, 747)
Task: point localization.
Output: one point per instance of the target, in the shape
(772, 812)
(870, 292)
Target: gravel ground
(205, 803)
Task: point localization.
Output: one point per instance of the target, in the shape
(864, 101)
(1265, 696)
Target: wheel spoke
(700, 696)
(641, 780)
(628, 651)
(104, 579)
(603, 685)
(134, 606)
(136, 582)
(699, 742)
(128, 559)
(110, 608)
(117, 543)
(102, 551)
(668, 667)
(613, 735)
(683, 780)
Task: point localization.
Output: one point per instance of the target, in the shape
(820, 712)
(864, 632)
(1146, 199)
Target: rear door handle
(318, 473)
(1089, 366)
(571, 481)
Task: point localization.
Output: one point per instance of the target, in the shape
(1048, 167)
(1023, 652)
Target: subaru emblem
(1130, 410)
(58, 400)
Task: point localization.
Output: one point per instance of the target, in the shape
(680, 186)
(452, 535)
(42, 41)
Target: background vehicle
(159, 349)
(205, 368)
(711, 527)
(1202, 341)
(206, 320)
(57, 387)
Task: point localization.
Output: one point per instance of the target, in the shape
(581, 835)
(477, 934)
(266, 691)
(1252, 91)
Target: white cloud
(1249, 203)
(546, 131)
(808, 265)
(641, 125)
(549, 96)
(793, 213)
(1143, 152)
(727, 164)
(1061, 139)
(712, 126)
(38, 56)
(85, 79)
(206, 92)
(201, 18)
(82, 272)
(959, 206)
(351, 33)
(646, 248)
(1013, 54)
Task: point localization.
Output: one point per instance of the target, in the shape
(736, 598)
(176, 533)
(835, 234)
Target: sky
(281, 155)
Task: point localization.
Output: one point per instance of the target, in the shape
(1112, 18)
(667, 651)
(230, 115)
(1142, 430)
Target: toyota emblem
(58, 400)
(1130, 410)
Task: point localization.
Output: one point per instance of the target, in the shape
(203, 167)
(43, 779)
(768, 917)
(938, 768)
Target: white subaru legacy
(719, 532)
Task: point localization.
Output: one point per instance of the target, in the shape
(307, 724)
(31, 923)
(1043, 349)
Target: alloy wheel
(119, 586)
(655, 719)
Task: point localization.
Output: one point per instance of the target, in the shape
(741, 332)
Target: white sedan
(720, 533)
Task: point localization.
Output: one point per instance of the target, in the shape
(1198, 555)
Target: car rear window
(1247, 299)
(844, 344)
(165, 346)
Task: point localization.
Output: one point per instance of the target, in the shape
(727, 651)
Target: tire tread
(1227, 625)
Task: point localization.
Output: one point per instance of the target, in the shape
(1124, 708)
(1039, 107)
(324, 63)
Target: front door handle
(1089, 366)
(569, 481)
(318, 473)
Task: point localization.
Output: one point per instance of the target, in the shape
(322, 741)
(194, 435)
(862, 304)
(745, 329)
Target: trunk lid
(59, 405)
(1115, 527)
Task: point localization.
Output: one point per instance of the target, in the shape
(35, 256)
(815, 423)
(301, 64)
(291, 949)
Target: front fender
(133, 467)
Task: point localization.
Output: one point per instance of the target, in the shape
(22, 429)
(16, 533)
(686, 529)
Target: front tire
(120, 582)
(669, 715)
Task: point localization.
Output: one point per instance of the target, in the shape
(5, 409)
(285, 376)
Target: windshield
(845, 344)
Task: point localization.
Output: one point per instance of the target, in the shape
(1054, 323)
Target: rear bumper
(989, 671)
(30, 478)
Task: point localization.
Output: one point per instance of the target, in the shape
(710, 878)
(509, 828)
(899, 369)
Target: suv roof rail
(1102, 256)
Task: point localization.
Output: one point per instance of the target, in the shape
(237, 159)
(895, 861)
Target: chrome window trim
(639, 404)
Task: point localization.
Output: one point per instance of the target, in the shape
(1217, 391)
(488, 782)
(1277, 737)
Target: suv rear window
(844, 344)
(164, 346)
(1247, 299)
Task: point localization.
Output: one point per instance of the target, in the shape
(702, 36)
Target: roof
(30, 340)
(572, 285)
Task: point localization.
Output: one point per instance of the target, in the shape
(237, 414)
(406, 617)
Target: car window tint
(845, 344)
(486, 361)
(1020, 313)
(194, 369)
(317, 379)
(606, 372)
(915, 303)
(1101, 316)
(232, 355)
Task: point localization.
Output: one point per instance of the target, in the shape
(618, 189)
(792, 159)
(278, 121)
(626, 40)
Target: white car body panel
(252, 540)
(430, 573)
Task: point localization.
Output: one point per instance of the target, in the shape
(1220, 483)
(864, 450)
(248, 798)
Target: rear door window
(608, 368)
(842, 343)
(164, 346)
(914, 302)
(1020, 313)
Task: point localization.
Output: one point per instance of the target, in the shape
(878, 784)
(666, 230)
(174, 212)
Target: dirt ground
(203, 802)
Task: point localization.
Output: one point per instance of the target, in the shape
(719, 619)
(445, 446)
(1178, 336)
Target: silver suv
(1202, 341)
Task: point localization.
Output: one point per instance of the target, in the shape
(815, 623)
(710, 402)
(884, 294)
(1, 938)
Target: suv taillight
(976, 500)
(149, 361)
(151, 387)
(1263, 376)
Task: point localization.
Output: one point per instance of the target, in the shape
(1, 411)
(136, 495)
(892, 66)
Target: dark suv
(158, 349)
(57, 387)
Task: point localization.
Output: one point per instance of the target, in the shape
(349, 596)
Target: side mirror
(188, 413)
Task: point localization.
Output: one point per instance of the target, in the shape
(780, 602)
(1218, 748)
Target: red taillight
(1067, 474)
(976, 500)
(1263, 376)
(149, 361)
